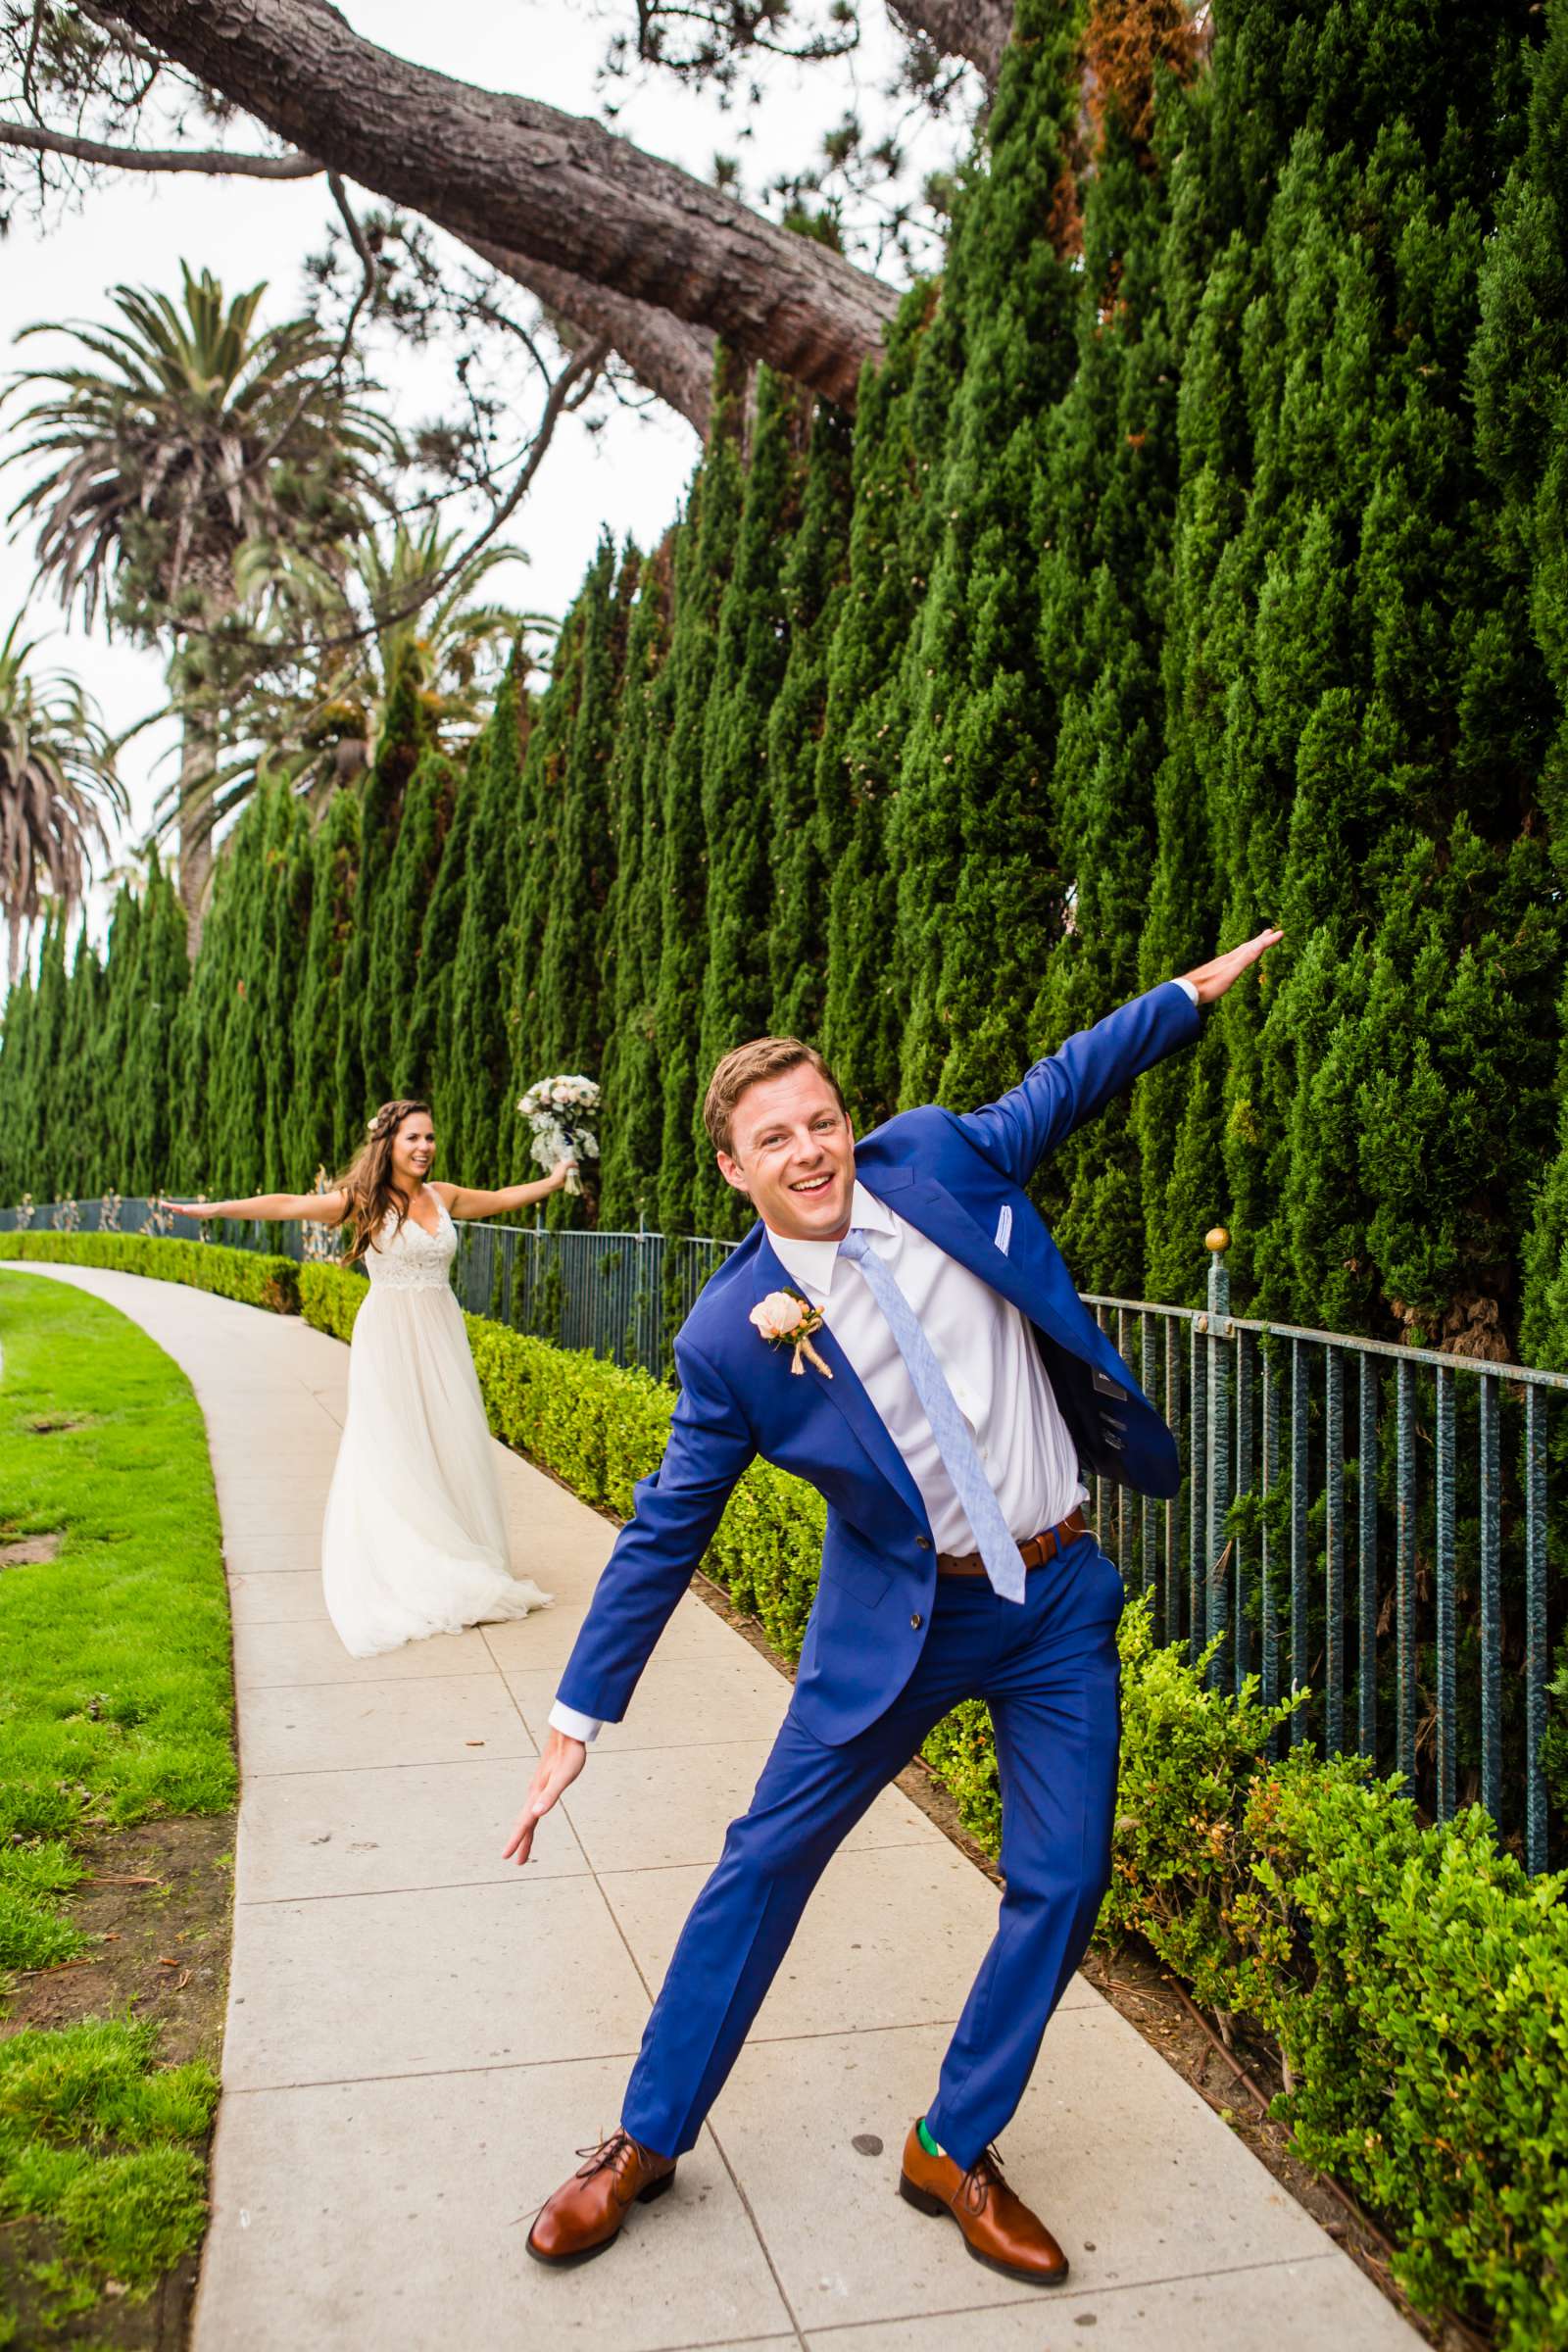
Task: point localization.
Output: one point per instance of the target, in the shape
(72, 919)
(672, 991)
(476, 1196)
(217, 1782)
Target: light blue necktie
(997, 1548)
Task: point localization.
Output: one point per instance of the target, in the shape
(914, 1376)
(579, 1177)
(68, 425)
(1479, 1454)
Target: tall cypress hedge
(978, 888)
(360, 1076)
(631, 935)
(397, 930)
(563, 963)
(735, 792)
(310, 1135)
(1195, 557)
(893, 526)
(471, 1085)
(814, 583)
(704, 560)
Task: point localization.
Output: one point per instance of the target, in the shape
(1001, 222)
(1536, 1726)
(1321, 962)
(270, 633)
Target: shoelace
(607, 2155)
(984, 2175)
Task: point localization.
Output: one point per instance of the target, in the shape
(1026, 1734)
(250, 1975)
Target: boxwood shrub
(1415, 1980)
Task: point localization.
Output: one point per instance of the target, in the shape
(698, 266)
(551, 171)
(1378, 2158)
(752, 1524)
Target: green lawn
(116, 1692)
(115, 1707)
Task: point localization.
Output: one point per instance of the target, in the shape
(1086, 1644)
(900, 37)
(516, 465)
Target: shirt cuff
(1191, 990)
(585, 1728)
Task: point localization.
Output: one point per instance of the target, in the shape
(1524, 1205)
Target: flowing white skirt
(415, 1542)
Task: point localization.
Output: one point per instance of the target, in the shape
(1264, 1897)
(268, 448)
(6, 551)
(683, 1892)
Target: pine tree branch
(367, 261)
(29, 63)
(976, 29)
(212, 160)
(566, 393)
(674, 361)
(549, 186)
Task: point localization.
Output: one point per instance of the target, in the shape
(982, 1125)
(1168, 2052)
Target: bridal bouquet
(557, 1109)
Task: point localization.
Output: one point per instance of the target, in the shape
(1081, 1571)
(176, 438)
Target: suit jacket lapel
(947, 1222)
(847, 1390)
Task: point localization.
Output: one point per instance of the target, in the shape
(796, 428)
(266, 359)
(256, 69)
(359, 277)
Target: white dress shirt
(987, 1352)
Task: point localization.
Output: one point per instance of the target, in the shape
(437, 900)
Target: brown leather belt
(1034, 1554)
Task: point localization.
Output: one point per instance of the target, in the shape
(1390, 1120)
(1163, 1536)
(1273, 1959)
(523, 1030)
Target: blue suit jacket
(960, 1180)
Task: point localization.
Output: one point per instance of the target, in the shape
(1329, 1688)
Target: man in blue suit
(898, 1328)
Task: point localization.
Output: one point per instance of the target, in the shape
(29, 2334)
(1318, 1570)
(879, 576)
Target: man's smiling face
(793, 1152)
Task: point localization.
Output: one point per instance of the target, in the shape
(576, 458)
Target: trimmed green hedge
(330, 1298)
(249, 1275)
(1415, 1980)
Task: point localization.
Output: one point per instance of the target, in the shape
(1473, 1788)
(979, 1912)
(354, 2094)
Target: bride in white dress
(415, 1542)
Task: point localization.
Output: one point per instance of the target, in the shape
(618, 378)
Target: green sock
(926, 2140)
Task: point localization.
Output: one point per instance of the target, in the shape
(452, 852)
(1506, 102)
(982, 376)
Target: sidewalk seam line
(1131, 2286)
(509, 1878)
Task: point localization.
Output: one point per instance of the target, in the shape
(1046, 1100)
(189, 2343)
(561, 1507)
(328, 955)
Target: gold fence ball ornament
(1217, 1238)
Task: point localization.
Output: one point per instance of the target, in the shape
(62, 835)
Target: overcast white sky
(629, 477)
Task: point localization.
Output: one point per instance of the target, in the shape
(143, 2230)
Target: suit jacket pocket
(860, 1578)
(1005, 1227)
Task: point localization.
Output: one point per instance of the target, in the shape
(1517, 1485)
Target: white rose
(778, 1314)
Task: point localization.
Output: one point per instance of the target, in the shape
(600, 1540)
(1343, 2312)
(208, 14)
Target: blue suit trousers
(1047, 1670)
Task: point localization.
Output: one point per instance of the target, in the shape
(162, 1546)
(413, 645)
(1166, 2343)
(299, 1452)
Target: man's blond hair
(748, 1065)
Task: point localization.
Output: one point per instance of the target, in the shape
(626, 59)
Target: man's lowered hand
(559, 1766)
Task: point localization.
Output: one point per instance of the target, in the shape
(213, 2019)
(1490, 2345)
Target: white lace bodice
(409, 1258)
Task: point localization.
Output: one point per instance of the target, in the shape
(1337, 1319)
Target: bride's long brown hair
(368, 1180)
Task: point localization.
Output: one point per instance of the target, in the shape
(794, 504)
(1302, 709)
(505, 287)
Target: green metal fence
(1364, 1522)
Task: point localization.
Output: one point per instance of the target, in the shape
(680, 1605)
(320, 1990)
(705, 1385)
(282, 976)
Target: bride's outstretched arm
(462, 1201)
(316, 1208)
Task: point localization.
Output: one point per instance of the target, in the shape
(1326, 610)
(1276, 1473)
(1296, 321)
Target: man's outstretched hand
(1211, 980)
(559, 1766)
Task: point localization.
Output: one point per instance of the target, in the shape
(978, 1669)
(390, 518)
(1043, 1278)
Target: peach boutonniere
(787, 1320)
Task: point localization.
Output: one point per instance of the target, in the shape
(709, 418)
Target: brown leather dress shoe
(997, 2228)
(584, 2217)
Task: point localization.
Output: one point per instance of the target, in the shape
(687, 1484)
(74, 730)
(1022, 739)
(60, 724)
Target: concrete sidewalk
(419, 2036)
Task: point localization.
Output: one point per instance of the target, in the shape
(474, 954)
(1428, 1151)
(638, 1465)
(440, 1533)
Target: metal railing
(621, 1294)
(1364, 1522)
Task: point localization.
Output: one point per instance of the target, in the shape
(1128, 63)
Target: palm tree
(188, 434)
(416, 593)
(395, 590)
(57, 780)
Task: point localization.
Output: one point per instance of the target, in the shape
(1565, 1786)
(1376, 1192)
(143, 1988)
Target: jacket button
(922, 1542)
(915, 1622)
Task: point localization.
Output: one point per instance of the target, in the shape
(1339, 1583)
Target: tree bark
(214, 161)
(547, 186)
(674, 361)
(976, 29)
